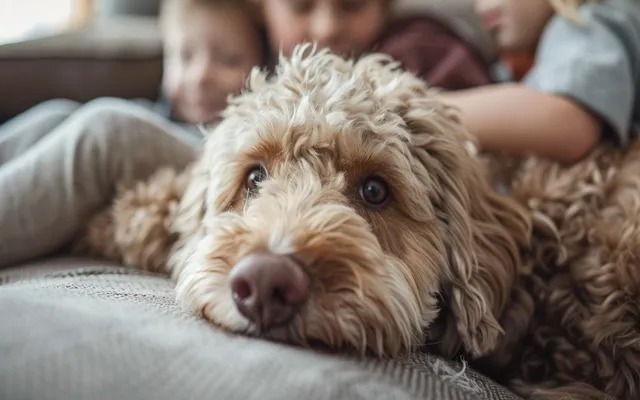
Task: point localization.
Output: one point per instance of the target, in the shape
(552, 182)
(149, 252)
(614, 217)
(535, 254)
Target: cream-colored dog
(338, 203)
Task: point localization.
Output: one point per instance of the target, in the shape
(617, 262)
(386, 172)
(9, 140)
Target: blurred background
(77, 49)
(84, 49)
(20, 19)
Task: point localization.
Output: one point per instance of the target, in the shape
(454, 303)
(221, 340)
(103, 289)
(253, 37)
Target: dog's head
(338, 202)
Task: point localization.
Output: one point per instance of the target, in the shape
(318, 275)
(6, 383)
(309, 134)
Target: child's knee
(108, 103)
(120, 128)
(56, 108)
(108, 111)
(112, 120)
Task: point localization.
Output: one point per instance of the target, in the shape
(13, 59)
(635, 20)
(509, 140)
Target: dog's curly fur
(538, 288)
(586, 283)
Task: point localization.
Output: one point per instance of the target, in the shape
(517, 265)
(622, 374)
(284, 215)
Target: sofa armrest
(117, 57)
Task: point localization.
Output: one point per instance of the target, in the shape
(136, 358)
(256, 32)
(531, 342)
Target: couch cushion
(104, 332)
(57, 266)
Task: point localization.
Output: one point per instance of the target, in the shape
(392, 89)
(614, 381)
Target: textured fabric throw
(103, 333)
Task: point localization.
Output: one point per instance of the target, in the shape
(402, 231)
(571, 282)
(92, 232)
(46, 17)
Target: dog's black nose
(268, 288)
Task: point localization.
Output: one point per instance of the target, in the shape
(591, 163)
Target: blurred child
(209, 47)
(52, 180)
(424, 44)
(577, 67)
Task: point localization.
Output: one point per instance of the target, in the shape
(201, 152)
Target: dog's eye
(255, 175)
(374, 191)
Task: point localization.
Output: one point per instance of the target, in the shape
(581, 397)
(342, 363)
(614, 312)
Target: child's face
(209, 52)
(516, 25)
(348, 27)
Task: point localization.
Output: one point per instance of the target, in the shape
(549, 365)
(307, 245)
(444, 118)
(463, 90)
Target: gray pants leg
(25, 130)
(48, 192)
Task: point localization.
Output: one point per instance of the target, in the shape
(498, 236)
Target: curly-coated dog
(340, 203)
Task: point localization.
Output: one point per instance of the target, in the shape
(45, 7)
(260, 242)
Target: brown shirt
(428, 47)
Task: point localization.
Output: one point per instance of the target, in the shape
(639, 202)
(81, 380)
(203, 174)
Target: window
(23, 18)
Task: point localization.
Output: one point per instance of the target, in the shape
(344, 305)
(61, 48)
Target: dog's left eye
(255, 175)
(374, 191)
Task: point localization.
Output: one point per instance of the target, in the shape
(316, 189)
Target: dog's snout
(268, 288)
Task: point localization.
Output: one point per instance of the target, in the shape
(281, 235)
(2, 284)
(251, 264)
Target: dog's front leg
(136, 228)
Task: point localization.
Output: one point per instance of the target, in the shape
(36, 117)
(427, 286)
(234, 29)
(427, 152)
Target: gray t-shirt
(596, 64)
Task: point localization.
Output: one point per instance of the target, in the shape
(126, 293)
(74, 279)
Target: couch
(84, 329)
(74, 328)
(113, 57)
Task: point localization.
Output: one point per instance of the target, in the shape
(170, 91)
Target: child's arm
(520, 120)
(583, 87)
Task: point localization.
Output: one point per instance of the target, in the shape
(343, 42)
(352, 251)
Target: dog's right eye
(255, 175)
(374, 191)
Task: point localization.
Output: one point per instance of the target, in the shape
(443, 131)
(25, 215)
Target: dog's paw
(136, 228)
(98, 238)
(143, 217)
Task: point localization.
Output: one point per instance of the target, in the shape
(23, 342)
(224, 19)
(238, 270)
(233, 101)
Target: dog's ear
(187, 223)
(485, 231)
(206, 194)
